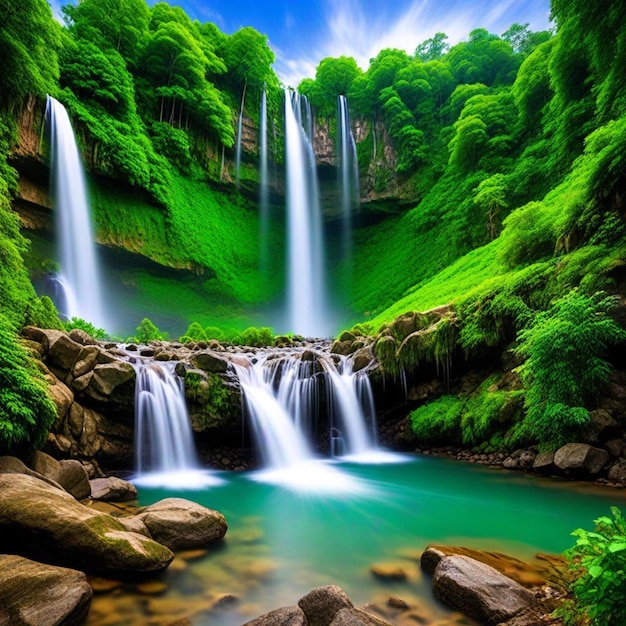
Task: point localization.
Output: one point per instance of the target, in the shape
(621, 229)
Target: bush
(88, 327)
(195, 332)
(598, 566)
(26, 411)
(147, 331)
(564, 367)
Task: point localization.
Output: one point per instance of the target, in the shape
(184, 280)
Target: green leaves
(564, 367)
(598, 566)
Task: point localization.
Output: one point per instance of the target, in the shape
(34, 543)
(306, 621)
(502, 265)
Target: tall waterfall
(164, 447)
(348, 175)
(307, 313)
(79, 269)
(264, 186)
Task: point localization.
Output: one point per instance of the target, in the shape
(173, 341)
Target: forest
(503, 207)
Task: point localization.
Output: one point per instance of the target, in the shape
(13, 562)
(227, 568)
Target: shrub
(213, 332)
(147, 331)
(597, 564)
(26, 410)
(564, 367)
(195, 332)
(88, 327)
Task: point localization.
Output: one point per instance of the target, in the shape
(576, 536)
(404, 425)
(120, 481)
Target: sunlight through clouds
(361, 29)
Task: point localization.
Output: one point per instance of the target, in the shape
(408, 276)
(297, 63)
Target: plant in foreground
(597, 564)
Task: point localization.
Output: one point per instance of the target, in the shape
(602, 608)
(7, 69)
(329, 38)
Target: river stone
(362, 358)
(33, 594)
(544, 462)
(356, 617)
(181, 524)
(617, 473)
(112, 489)
(81, 337)
(574, 457)
(209, 362)
(43, 523)
(478, 590)
(70, 474)
(287, 616)
(322, 604)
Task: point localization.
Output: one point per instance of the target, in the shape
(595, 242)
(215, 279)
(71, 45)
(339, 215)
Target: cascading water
(164, 446)
(349, 174)
(80, 275)
(280, 397)
(307, 312)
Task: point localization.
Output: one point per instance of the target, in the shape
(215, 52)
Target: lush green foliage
(26, 411)
(597, 564)
(564, 348)
(147, 331)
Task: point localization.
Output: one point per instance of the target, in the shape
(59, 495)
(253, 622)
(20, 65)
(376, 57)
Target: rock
(580, 457)
(404, 325)
(209, 362)
(12, 465)
(83, 338)
(33, 594)
(181, 524)
(107, 377)
(602, 427)
(63, 352)
(346, 335)
(431, 557)
(527, 459)
(86, 362)
(36, 334)
(388, 571)
(322, 604)
(70, 474)
(44, 523)
(615, 447)
(544, 462)
(396, 602)
(62, 397)
(362, 358)
(342, 347)
(112, 489)
(287, 616)
(478, 590)
(617, 473)
(356, 617)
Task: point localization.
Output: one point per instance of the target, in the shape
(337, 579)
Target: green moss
(209, 392)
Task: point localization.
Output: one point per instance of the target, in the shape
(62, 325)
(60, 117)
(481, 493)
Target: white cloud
(351, 31)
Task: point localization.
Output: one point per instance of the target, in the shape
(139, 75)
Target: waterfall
(164, 447)
(239, 131)
(348, 175)
(281, 398)
(80, 275)
(264, 185)
(307, 312)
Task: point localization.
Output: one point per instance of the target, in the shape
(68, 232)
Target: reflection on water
(282, 542)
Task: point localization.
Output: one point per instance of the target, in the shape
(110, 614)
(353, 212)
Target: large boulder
(286, 616)
(356, 617)
(70, 474)
(81, 337)
(33, 594)
(180, 524)
(13, 465)
(580, 458)
(40, 522)
(105, 379)
(112, 489)
(322, 604)
(479, 591)
(209, 362)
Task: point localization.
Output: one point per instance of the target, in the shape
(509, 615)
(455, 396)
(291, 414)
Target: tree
(432, 49)
(29, 40)
(333, 77)
(491, 199)
(147, 331)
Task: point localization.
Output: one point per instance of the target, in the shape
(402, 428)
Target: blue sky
(303, 33)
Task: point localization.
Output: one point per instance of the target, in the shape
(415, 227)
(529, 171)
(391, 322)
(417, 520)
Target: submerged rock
(33, 594)
(478, 590)
(40, 522)
(180, 524)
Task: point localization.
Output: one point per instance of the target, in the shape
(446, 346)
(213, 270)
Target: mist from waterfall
(80, 275)
(307, 312)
